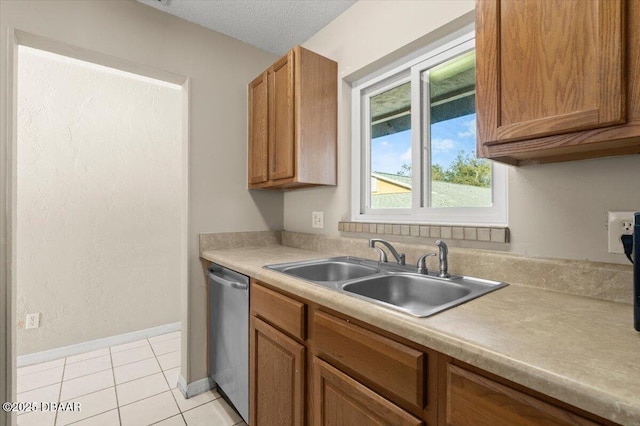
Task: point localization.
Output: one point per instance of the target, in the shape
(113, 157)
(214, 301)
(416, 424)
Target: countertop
(579, 350)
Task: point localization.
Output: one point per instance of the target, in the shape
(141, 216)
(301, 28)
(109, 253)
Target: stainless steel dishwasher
(229, 335)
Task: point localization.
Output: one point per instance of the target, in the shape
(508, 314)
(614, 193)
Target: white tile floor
(131, 384)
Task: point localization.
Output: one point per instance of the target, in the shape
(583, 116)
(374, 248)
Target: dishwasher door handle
(226, 283)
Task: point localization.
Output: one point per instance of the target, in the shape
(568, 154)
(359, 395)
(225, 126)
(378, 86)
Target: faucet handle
(383, 255)
(422, 263)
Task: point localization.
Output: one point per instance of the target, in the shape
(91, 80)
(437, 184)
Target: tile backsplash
(468, 233)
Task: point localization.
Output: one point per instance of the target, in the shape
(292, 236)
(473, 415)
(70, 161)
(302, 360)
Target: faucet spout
(400, 257)
(443, 252)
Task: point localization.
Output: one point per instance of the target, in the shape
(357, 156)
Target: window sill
(467, 233)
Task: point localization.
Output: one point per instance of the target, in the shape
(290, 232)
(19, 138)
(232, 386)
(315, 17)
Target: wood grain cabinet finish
(296, 144)
(340, 400)
(276, 360)
(391, 367)
(555, 79)
(475, 400)
(281, 129)
(278, 310)
(333, 370)
(277, 379)
(258, 130)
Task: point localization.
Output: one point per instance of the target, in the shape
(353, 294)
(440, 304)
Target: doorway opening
(101, 228)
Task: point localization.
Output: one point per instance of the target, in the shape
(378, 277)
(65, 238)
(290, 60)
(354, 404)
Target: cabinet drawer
(341, 400)
(389, 366)
(476, 400)
(280, 311)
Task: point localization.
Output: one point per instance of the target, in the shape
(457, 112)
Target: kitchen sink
(330, 270)
(413, 293)
(389, 284)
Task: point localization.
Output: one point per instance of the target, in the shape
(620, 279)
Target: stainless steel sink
(330, 270)
(411, 293)
(391, 285)
(420, 295)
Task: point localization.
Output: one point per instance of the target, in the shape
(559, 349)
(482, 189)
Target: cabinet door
(548, 67)
(340, 400)
(258, 130)
(281, 137)
(475, 400)
(277, 377)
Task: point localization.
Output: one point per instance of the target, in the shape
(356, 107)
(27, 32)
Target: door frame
(8, 192)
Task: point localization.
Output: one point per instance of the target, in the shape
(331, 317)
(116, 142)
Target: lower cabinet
(276, 377)
(340, 400)
(473, 399)
(311, 366)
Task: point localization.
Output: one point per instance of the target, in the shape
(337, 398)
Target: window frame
(402, 71)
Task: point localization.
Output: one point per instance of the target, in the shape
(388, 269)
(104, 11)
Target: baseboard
(92, 345)
(195, 388)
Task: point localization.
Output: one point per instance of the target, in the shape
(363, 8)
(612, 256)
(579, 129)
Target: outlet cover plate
(317, 219)
(619, 223)
(32, 321)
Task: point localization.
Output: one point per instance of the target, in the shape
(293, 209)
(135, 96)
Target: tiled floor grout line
(112, 368)
(100, 371)
(90, 417)
(45, 386)
(40, 372)
(142, 377)
(115, 388)
(146, 397)
(97, 356)
(88, 359)
(170, 389)
(64, 366)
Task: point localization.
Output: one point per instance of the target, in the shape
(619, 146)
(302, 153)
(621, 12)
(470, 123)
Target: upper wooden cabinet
(556, 80)
(258, 130)
(293, 123)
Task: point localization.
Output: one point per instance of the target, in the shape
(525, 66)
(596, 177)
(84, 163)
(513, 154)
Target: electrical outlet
(317, 219)
(619, 223)
(32, 321)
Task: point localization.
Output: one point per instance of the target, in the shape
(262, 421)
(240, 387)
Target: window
(414, 145)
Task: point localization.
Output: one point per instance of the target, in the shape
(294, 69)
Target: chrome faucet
(443, 251)
(422, 263)
(400, 257)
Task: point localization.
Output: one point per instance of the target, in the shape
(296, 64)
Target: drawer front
(479, 401)
(389, 366)
(341, 400)
(280, 311)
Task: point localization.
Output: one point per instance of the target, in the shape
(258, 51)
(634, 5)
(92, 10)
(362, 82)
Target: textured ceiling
(272, 25)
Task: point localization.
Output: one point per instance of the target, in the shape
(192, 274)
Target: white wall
(98, 201)
(556, 210)
(218, 68)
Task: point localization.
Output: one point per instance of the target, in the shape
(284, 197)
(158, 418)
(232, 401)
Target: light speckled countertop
(579, 350)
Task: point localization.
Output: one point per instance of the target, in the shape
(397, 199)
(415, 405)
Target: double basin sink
(388, 284)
